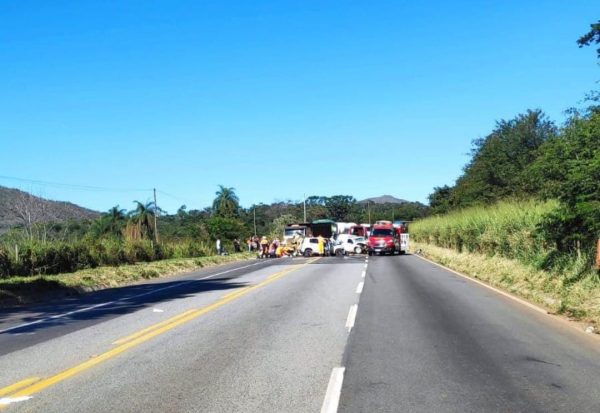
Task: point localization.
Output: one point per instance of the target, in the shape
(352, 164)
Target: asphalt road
(282, 336)
(427, 340)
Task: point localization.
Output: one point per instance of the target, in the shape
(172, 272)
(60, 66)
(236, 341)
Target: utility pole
(254, 210)
(155, 221)
(304, 208)
(369, 209)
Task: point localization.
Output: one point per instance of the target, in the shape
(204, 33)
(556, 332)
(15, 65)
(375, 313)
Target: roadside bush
(4, 262)
(60, 257)
(515, 230)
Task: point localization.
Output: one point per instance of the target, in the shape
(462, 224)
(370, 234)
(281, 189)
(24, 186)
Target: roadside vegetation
(525, 214)
(577, 299)
(509, 229)
(119, 237)
(24, 289)
(504, 244)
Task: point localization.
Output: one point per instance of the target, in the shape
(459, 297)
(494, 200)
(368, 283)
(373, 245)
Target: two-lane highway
(355, 334)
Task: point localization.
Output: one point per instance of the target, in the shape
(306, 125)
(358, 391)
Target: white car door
(349, 245)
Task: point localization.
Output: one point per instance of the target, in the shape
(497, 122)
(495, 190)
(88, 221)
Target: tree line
(227, 220)
(532, 157)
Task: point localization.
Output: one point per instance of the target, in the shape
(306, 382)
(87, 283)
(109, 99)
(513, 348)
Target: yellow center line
(19, 385)
(152, 327)
(140, 337)
(235, 292)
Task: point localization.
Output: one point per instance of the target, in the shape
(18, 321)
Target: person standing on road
(218, 246)
(321, 245)
(236, 245)
(264, 244)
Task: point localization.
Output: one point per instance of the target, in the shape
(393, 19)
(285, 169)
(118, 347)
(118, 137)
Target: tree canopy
(591, 37)
(496, 169)
(226, 203)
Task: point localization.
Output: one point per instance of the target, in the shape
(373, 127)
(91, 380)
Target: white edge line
(503, 293)
(527, 304)
(351, 316)
(359, 287)
(95, 306)
(9, 400)
(334, 390)
(363, 275)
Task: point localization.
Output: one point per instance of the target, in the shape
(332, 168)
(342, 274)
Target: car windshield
(382, 232)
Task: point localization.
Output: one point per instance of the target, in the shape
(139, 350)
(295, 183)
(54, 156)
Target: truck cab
(384, 239)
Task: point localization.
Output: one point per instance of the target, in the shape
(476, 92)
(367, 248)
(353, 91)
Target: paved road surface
(265, 336)
(427, 340)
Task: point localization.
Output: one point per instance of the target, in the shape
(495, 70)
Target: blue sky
(274, 98)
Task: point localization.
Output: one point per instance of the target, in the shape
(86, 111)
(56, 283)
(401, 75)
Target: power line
(172, 196)
(74, 186)
(89, 188)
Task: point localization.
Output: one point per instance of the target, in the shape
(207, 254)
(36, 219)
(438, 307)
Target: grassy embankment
(503, 246)
(24, 289)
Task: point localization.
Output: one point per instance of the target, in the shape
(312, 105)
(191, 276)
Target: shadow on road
(110, 303)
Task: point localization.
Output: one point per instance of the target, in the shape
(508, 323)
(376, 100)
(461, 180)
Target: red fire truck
(386, 238)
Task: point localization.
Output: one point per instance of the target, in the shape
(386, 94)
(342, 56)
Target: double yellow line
(34, 385)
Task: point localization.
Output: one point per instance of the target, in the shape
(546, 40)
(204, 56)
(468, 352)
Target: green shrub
(512, 230)
(5, 263)
(61, 257)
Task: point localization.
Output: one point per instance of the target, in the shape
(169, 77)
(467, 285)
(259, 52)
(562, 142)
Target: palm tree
(227, 203)
(116, 216)
(143, 218)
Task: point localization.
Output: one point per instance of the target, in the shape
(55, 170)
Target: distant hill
(16, 206)
(384, 199)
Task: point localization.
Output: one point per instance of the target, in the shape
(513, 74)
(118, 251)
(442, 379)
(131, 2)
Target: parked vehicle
(350, 244)
(323, 227)
(294, 231)
(388, 239)
(310, 246)
(345, 227)
(402, 229)
(404, 243)
(361, 230)
(384, 239)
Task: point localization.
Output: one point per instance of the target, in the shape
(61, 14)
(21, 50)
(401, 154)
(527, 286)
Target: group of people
(266, 248)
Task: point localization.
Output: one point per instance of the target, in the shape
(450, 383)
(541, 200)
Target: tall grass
(509, 229)
(504, 245)
(36, 258)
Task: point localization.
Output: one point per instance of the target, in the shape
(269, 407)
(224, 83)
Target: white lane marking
(8, 400)
(359, 288)
(334, 390)
(157, 310)
(351, 317)
(364, 274)
(366, 265)
(505, 294)
(93, 307)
